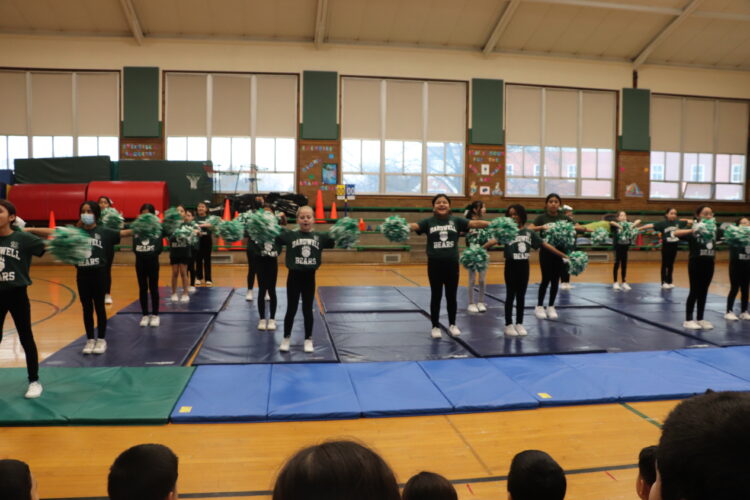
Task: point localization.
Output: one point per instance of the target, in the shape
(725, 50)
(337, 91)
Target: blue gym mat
(733, 360)
(203, 300)
(312, 391)
(401, 388)
(476, 385)
(389, 336)
(563, 300)
(225, 393)
(420, 296)
(235, 339)
(363, 299)
(128, 344)
(641, 293)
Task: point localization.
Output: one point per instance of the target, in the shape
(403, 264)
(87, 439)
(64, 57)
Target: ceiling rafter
(132, 17)
(321, 18)
(665, 33)
(500, 27)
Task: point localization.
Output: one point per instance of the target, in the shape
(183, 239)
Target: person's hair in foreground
(534, 475)
(144, 472)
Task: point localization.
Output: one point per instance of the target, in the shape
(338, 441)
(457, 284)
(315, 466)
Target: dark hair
(740, 219)
(647, 464)
(109, 202)
(15, 479)
(520, 212)
(429, 486)
(10, 207)
(147, 206)
(666, 212)
(94, 207)
(143, 472)
(700, 209)
(535, 475)
(336, 470)
(473, 208)
(552, 195)
(438, 196)
(703, 450)
(190, 211)
(610, 217)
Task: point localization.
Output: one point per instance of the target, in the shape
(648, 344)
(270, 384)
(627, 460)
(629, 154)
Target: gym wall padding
(34, 201)
(177, 175)
(6, 179)
(636, 112)
(128, 196)
(77, 169)
(141, 102)
(486, 112)
(319, 105)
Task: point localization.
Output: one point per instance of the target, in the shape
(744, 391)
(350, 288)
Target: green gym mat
(93, 396)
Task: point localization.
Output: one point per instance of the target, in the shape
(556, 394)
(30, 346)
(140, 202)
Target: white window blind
(446, 112)
(13, 103)
(277, 106)
(360, 108)
(186, 104)
(666, 123)
(97, 104)
(599, 111)
(523, 114)
(698, 126)
(731, 135)
(52, 104)
(404, 106)
(561, 111)
(230, 111)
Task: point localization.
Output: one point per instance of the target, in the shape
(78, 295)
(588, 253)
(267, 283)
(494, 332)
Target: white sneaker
(551, 312)
(539, 312)
(100, 347)
(510, 331)
(108, 299)
(671, 285)
(472, 308)
(309, 345)
(191, 289)
(197, 282)
(626, 287)
(34, 390)
(616, 286)
(482, 307)
(435, 332)
(89, 347)
(249, 296)
(564, 286)
(271, 325)
(521, 330)
(665, 286)
(144, 321)
(154, 321)
(262, 325)
(706, 325)
(174, 298)
(454, 330)
(209, 283)
(284, 347)
(268, 296)
(745, 315)
(691, 325)
(731, 316)
(185, 299)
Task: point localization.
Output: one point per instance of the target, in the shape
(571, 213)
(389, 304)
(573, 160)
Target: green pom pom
(478, 236)
(261, 226)
(70, 244)
(185, 234)
(628, 232)
(705, 230)
(395, 228)
(503, 229)
(737, 236)
(146, 226)
(600, 237)
(561, 234)
(231, 230)
(172, 220)
(345, 232)
(112, 219)
(213, 221)
(578, 262)
(475, 258)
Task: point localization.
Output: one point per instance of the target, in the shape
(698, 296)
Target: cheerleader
(567, 210)
(252, 265)
(517, 267)
(105, 202)
(304, 251)
(739, 277)
(442, 230)
(179, 258)
(669, 243)
(700, 268)
(16, 249)
(147, 253)
(551, 264)
(205, 247)
(190, 221)
(266, 258)
(475, 211)
(622, 245)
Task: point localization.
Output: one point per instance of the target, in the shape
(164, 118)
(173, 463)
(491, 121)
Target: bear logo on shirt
(305, 251)
(522, 247)
(145, 242)
(268, 246)
(710, 245)
(14, 244)
(443, 235)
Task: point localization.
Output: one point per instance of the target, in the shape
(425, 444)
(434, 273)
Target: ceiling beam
(133, 22)
(321, 16)
(500, 27)
(646, 9)
(665, 33)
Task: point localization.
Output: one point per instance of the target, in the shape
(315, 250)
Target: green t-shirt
(699, 248)
(270, 249)
(103, 240)
(667, 229)
(442, 236)
(147, 247)
(304, 251)
(180, 249)
(521, 246)
(739, 254)
(16, 250)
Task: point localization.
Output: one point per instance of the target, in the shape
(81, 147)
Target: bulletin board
(319, 169)
(486, 171)
(141, 148)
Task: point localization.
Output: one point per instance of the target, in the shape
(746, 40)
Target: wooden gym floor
(597, 445)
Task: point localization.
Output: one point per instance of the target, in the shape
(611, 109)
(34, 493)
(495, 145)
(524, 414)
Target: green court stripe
(642, 415)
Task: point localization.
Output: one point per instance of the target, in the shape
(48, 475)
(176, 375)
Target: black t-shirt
(442, 236)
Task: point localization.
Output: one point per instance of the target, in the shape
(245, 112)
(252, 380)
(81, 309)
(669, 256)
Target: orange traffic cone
(334, 214)
(362, 225)
(226, 217)
(238, 243)
(52, 224)
(320, 215)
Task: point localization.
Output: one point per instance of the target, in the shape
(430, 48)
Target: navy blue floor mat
(389, 336)
(204, 300)
(564, 298)
(641, 293)
(235, 339)
(128, 344)
(363, 299)
(733, 360)
(420, 296)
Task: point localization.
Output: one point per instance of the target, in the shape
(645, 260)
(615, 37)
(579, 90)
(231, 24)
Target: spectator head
(429, 486)
(144, 472)
(646, 472)
(147, 208)
(552, 203)
(16, 481)
(534, 475)
(336, 470)
(703, 450)
(475, 210)
(104, 202)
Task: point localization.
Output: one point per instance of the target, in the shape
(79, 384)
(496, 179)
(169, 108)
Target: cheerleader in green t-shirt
(475, 211)
(669, 243)
(739, 277)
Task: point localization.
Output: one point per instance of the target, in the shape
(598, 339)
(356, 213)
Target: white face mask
(87, 219)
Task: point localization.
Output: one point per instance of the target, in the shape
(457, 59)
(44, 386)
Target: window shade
(230, 112)
(731, 135)
(561, 118)
(598, 116)
(98, 104)
(446, 112)
(277, 106)
(698, 131)
(13, 103)
(52, 103)
(360, 114)
(186, 105)
(523, 115)
(666, 123)
(403, 110)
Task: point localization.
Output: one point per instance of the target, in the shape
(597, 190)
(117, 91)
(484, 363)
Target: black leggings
(110, 256)
(203, 258)
(700, 272)
(299, 283)
(443, 273)
(739, 278)
(147, 271)
(252, 268)
(268, 271)
(91, 293)
(621, 258)
(191, 266)
(552, 268)
(16, 301)
(516, 281)
(668, 256)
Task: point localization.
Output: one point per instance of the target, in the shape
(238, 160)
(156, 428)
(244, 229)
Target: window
(12, 147)
(561, 141)
(99, 146)
(699, 148)
(403, 136)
